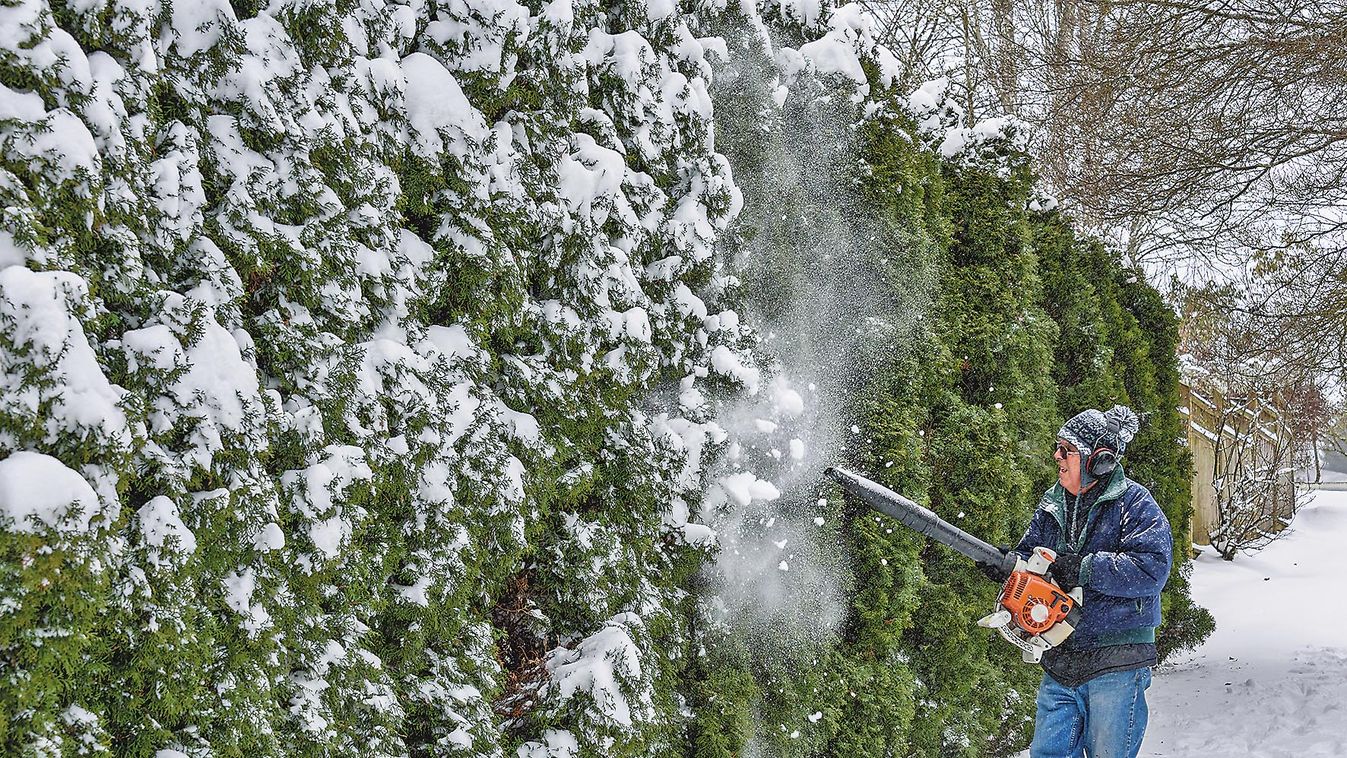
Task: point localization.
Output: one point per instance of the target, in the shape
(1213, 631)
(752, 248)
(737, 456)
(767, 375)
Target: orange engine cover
(1035, 603)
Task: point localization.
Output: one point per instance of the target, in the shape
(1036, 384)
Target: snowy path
(1272, 680)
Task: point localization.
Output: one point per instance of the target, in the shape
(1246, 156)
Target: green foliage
(988, 408)
(378, 441)
(1031, 326)
(1118, 345)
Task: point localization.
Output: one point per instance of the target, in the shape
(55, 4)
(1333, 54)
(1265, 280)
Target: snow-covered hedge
(367, 369)
(324, 324)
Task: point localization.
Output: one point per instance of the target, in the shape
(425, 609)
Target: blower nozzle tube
(919, 519)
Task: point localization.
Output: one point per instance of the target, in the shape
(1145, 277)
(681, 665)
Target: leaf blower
(1033, 612)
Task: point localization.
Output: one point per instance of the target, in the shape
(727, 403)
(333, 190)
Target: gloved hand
(1066, 570)
(996, 572)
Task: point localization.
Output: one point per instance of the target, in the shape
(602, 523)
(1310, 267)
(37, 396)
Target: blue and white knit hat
(1093, 429)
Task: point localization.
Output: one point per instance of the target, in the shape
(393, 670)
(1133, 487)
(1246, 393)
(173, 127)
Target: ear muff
(1103, 460)
(1101, 463)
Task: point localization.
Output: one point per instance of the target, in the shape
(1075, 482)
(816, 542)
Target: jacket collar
(1054, 500)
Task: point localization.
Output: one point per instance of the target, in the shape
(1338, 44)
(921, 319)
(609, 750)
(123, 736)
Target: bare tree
(1254, 482)
(1269, 412)
(1188, 119)
(1197, 135)
(1295, 299)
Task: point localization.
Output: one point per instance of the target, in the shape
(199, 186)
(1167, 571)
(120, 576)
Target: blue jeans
(1103, 718)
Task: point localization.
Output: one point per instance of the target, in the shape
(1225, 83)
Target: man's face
(1068, 466)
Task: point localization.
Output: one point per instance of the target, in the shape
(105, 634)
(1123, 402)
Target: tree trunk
(1318, 466)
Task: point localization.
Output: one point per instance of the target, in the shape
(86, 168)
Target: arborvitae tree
(983, 435)
(967, 427)
(1118, 345)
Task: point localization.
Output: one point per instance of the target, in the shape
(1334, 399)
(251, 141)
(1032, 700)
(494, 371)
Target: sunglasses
(1063, 450)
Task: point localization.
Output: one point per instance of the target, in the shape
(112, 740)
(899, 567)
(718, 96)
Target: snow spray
(820, 291)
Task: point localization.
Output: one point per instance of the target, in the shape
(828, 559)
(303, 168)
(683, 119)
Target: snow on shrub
(317, 319)
(38, 491)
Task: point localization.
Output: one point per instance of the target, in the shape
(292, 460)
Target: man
(1113, 540)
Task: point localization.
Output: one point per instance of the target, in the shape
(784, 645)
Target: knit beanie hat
(1093, 429)
(1090, 430)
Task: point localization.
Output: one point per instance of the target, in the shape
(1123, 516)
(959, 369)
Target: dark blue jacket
(1126, 547)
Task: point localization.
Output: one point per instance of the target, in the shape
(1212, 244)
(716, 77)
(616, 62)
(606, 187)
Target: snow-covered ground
(1272, 680)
